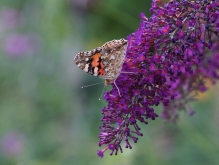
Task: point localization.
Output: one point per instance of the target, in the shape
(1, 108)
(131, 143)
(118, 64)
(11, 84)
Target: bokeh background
(45, 116)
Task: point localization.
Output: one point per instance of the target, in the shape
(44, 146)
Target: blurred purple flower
(11, 144)
(170, 55)
(16, 45)
(9, 18)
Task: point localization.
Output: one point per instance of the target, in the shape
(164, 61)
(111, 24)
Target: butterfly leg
(117, 88)
(127, 72)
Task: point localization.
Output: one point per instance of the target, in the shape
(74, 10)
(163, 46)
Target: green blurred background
(47, 119)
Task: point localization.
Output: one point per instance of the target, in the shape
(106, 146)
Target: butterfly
(105, 61)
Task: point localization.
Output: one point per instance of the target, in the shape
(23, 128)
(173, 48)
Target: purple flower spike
(168, 59)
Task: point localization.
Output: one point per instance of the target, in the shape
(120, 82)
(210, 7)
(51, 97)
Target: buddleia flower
(168, 60)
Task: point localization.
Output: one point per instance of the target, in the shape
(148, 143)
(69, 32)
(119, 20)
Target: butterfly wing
(105, 61)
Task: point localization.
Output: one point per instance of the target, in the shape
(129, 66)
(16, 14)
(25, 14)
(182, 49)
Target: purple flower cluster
(11, 144)
(16, 45)
(169, 56)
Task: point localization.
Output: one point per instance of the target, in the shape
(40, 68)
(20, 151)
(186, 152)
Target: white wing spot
(112, 57)
(95, 71)
(86, 68)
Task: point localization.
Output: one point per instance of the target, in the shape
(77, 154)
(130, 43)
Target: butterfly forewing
(85, 60)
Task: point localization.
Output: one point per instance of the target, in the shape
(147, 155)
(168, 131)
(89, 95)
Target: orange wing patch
(96, 63)
(95, 60)
(101, 71)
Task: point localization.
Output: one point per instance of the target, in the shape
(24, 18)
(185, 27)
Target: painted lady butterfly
(105, 61)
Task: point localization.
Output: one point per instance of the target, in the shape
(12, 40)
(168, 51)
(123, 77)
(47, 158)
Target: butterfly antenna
(117, 88)
(91, 85)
